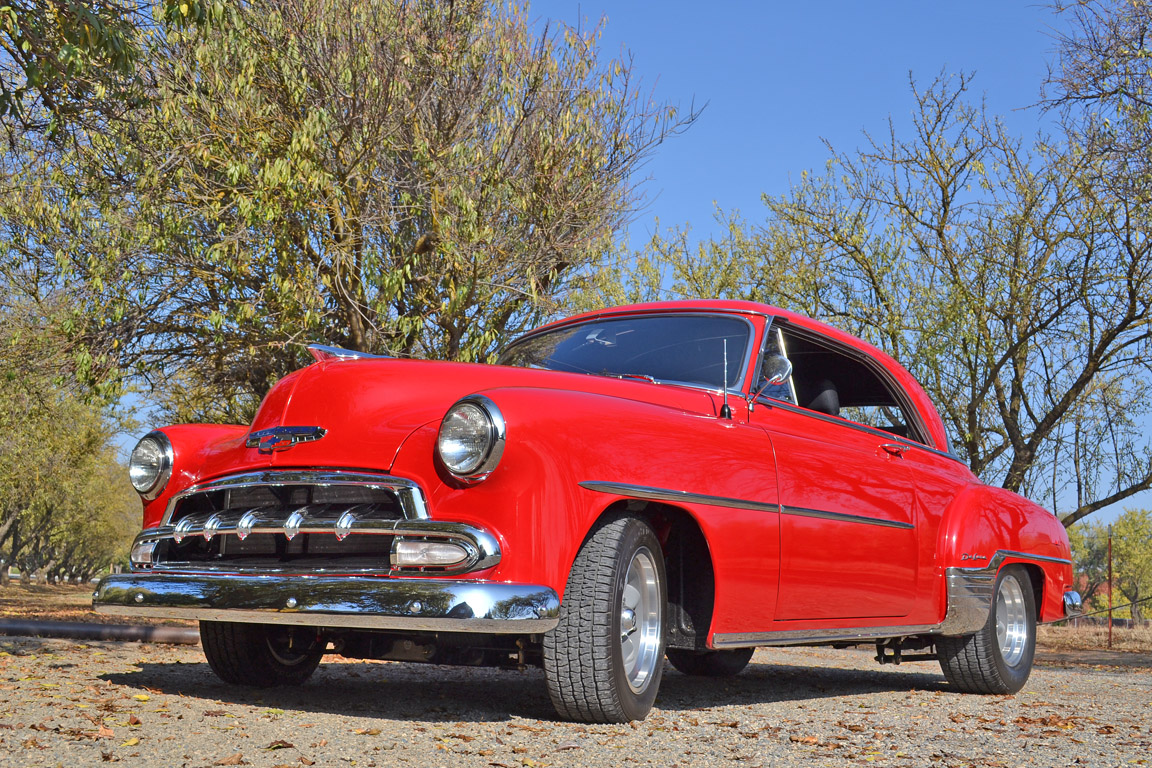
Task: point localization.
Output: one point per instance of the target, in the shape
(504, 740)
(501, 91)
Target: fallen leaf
(236, 759)
(367, 731)
(280, 744)
(104, 732)
(567, 745)
(306, 761)
(803, 739)
(133, 720)
(142, 697)
(131, 742)
(214, 713)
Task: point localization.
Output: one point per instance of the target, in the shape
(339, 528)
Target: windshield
(682, 348)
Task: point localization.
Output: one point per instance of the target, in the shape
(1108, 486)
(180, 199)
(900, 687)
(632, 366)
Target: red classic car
(689, 480)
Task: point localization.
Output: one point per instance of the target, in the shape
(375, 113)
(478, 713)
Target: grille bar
(340, 520)
(407, 493)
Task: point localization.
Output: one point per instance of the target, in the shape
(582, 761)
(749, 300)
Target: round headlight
(151, 464)
(471, 438)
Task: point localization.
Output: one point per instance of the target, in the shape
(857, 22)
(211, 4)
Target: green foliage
(418, 179)
(64, 62)
(66, 508)
(1132, 558)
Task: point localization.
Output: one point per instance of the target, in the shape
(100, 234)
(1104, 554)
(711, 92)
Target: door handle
(894, 449)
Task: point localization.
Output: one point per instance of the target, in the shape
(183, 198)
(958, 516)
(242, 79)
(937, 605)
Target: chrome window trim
(969, 604)
(409, 494)
(687, 497)
(740, 314)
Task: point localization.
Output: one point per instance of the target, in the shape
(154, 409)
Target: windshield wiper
(640, 376)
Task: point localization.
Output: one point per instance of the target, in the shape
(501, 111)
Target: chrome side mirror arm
(778, 369)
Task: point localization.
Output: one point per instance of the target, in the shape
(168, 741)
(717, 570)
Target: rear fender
(989, 528)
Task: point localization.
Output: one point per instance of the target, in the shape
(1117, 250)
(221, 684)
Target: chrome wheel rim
(1011, 620)
(640, 617)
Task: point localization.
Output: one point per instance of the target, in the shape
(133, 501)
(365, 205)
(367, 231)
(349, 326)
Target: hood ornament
(283, 438)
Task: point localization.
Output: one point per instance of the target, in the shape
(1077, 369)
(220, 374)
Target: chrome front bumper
(435, 605)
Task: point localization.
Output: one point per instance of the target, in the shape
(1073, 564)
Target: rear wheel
(260, 655)
(710, 663)
(603, 661)
(998, 658)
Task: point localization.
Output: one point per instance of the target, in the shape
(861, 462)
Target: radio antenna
(725, 411)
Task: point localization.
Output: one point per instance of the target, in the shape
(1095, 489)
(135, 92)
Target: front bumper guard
(432, 605)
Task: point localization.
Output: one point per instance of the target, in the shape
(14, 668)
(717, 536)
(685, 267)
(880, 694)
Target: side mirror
(776, 370)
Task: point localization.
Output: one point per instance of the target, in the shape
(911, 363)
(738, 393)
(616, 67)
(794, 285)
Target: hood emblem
(283, 438)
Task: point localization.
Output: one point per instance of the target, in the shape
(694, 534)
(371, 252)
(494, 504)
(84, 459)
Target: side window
(831, 382)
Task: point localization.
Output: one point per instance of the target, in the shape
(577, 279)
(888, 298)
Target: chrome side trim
(482, 547)
(846, 518)
(432, 605)
(816, 636)
(410, 495)
(684, 497)
(970, 593)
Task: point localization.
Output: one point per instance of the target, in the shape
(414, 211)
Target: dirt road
(78, 704)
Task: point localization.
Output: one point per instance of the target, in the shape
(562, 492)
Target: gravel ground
(77, 704)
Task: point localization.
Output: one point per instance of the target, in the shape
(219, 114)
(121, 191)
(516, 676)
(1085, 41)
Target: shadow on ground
(400, 691)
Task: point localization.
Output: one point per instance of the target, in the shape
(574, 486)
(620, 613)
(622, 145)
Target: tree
(1015, 288)
(1102, 85)
(1132, 555)
(1089, 542)
(66, 507)
(412, 178)
(68, 61)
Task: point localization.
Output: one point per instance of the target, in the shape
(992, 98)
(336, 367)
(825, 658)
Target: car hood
(368, 407)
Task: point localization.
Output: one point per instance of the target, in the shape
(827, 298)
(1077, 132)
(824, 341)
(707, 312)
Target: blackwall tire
(997, 659)
(604, 660)
(710, 663)
(259, 655)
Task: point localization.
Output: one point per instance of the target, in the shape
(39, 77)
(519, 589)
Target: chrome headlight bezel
(486, 459)
(164, 472)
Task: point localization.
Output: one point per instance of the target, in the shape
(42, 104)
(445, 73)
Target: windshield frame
(745, 363)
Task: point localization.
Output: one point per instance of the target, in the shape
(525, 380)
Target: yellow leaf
(141, 697)
(131, 742)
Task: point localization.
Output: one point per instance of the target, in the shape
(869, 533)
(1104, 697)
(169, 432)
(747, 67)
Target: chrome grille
(288, 519)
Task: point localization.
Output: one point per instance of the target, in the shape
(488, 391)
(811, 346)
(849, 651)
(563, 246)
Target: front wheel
(603, 661)
(260, 655)
(998, 658)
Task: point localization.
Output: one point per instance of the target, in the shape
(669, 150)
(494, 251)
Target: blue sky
(780, 77)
